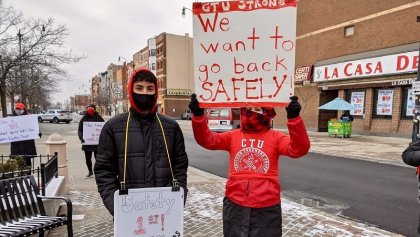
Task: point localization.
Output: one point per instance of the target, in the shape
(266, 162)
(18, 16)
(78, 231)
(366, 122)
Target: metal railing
(46, 168)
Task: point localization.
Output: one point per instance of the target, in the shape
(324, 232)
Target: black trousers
(88, 157)
(239, 221)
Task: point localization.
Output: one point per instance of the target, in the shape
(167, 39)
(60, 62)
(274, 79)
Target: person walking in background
(251, 206)
(90, 116)
(26, 149)
(140, 148)
(411, 156)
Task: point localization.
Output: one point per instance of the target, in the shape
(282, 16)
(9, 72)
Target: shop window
(349, 30)
(407, 105)
(382, 103)
(357, 99)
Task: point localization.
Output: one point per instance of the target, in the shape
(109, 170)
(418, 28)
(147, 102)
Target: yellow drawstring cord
(125, 149)
(174, 181)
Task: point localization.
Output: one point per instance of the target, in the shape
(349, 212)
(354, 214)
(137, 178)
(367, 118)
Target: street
(378, 194)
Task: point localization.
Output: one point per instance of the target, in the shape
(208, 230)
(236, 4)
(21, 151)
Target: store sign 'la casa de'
(378, 66)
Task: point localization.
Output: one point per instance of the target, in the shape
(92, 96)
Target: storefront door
(326, 115)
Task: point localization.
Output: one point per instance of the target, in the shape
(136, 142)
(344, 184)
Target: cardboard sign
(149, 212)
(91, 132)
(244, 52)
(19, 128)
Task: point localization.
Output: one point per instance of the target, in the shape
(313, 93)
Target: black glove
(82, 140)
(40, 135)
(293, 109)
(195, 107)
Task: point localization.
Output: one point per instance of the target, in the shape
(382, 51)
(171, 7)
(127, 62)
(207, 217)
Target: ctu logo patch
(251, 159)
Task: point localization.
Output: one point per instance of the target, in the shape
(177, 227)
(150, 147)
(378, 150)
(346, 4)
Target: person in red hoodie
(251, 206)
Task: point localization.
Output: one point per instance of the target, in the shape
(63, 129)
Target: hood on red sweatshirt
(140, 75)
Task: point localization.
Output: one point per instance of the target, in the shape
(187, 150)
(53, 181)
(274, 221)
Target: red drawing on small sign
(140, 230)
(153, 219)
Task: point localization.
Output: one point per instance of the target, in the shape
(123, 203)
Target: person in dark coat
(90, 116)
(25, 148)
(133, 146)
(346, 117)
(411, 156)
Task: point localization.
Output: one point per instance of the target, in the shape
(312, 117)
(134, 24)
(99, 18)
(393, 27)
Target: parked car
(55, 116)
(187, 115)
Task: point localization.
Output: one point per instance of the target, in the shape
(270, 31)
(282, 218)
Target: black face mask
(143, 102)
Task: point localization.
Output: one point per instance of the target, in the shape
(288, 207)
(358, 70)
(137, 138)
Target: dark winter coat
(147, 161)
(411, 155)
(26, 147)
(95, 118)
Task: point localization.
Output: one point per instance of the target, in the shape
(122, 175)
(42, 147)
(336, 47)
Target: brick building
(365, 52)
(170, 57)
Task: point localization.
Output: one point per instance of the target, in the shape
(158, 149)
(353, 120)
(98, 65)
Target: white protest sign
(19, 128)
(91, 132)
(244, 52)
(149, 212)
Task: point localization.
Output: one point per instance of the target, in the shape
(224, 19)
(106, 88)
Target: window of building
(407, 105)
(349, 30)
(357, 99)
(382, 103)
(153, 52)
(153, 66)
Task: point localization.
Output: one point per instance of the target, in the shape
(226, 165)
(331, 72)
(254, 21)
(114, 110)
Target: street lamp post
(20, 37)
(415, 133)
(183, 11)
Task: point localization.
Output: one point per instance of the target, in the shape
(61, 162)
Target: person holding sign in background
(251, 206)
(90, 116)
(25, 148)
(140, 148)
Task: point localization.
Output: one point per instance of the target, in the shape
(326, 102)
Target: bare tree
(38, 44)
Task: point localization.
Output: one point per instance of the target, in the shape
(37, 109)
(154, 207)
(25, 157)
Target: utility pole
(416, 87)
(19, 35)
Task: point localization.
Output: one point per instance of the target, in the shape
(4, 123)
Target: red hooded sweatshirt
(253, 166)
(130, 89)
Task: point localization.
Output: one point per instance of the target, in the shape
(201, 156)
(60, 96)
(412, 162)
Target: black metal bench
(22, 210)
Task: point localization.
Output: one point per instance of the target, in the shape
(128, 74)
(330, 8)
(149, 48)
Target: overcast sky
(102, 30)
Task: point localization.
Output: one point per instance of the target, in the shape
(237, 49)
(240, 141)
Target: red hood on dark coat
(130, 89)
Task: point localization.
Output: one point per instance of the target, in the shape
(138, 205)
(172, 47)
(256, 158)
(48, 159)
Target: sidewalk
(203, 210)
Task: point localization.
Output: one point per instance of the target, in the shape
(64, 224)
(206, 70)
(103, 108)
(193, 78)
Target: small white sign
(416, 87)
(358, 102)
(91, 132)
(149, 212)
(385, 100)
(409, 110)
(19, 128)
